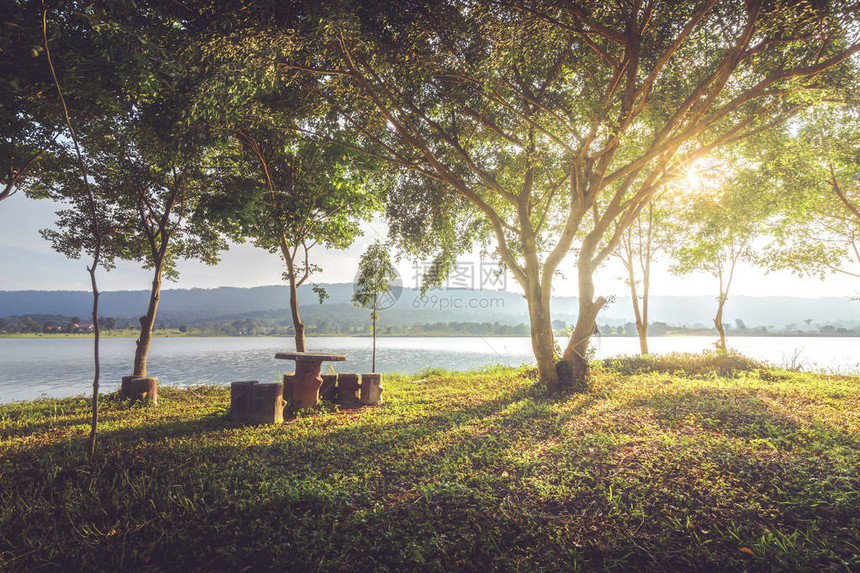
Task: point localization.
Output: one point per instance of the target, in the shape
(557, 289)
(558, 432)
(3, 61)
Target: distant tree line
(258, 326)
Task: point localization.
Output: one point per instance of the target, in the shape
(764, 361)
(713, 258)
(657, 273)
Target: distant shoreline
(434, 335)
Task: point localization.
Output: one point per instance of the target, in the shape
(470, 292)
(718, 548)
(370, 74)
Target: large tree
(146, 164)
(556, 122)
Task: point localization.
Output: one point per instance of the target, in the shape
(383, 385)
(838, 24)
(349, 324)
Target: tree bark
(375, 318)
(147, 321)
(641, 322)
(589, 307)
(543, 341)
(718, 323)
(642, 328)
(298, 325)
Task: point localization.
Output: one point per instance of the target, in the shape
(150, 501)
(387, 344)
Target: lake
(59, 367)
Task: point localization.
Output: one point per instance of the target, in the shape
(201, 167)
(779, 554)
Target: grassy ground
(675, 470)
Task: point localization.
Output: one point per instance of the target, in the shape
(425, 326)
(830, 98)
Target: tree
(108, 323)
(289, 193)
(720, 224)
(146, 172)
(147, 188)
(816, 167)
(375, 276)
(650, 234)
(555, 123)
(93, 229)
(27, 324)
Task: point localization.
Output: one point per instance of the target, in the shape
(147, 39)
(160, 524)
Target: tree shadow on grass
(735, 412)
(363, 496)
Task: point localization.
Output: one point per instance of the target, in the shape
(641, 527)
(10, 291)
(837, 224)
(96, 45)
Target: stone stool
(348, 390)
(328, 390)
(268, 403)
(251, 401)
(371, 389)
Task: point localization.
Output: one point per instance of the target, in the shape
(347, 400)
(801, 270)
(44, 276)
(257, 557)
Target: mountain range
(441, 305)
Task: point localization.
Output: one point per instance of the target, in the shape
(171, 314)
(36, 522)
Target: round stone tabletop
(311, 356)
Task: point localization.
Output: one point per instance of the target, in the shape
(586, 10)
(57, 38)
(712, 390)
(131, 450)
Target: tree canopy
(557, 122)
(538, 129)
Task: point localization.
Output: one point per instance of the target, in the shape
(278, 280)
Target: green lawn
(455, 472)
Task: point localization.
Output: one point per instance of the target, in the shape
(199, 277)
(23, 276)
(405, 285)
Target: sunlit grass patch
(704, 364)
(456, 471)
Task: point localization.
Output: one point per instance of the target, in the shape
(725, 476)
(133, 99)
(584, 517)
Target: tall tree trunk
(641, 323)
(589, 307)
(96, 338)
(97, 235)
(147, 322)
(298, 325)
(642, 331)
(375, 318)
(543, 340)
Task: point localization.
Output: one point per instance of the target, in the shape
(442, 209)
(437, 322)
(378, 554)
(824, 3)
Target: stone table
(305, 383)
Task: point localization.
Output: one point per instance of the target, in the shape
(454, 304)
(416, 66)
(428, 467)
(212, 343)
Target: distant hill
(439, 306)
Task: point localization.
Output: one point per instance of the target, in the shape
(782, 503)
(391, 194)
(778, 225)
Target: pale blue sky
(28, 263)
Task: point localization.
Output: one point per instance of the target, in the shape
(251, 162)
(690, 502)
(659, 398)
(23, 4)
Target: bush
(726, 364)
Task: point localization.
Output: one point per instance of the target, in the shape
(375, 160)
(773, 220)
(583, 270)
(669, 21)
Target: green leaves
(375, 274)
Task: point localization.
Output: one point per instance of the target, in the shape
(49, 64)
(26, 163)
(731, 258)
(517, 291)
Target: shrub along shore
(679, 462)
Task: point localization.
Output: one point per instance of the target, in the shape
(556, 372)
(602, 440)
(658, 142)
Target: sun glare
(692, 179)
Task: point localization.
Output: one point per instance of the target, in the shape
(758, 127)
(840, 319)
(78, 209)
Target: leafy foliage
(554, 124)
(374, 280)
(817, 170)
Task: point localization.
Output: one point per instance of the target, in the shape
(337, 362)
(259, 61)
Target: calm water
(58, 367)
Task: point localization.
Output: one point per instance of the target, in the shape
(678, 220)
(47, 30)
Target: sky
(27, 262)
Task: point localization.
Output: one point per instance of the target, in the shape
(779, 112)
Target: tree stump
(268, 403)
(328, 390)
(241, 400)
(348, 391)
(371, 389)
(137, 388)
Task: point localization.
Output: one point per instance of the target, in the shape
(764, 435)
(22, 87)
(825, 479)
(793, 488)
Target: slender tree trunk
(646, 288)
(91, 203)
(641, 324)
(375, 318)
(147, 321)
(298, 325)
(718, 323)
(589, 307)
(96, 338)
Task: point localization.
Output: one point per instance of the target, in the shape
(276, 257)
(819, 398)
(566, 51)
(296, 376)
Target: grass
(473, 471)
